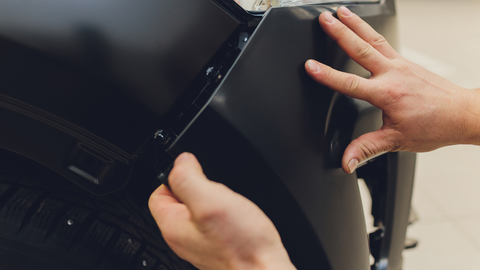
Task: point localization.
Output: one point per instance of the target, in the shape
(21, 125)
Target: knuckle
(216, 213)
(363, 50)
(402, 67)
(344, 31)
(378, 40)
(372, 144)
(351, 84)
(177, 176)
(177, 171)
(393, 142)
(210, 216)
(394, 96)
(368, 149)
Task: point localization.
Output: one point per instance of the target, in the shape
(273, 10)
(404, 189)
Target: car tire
(48, 223)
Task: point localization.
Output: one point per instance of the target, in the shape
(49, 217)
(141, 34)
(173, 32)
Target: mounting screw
(159, 133)
(70, 222)
(162, 177)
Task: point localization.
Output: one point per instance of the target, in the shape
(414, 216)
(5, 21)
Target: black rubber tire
(48, 223)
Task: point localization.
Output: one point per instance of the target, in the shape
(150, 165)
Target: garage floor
(444, 36)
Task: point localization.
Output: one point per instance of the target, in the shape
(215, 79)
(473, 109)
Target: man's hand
(421, 110)
(213, 227)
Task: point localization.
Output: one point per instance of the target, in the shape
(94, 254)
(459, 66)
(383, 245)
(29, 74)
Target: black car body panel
(93, 90)
(98, 78)
(298, 128)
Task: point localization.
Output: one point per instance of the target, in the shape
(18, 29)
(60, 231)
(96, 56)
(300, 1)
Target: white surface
(447, 201)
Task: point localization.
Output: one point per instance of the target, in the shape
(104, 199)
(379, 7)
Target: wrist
(471, 116)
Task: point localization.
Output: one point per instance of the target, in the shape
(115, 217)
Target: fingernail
(345, 11)
(313, 66)
(183, 157)
(352, 165)
(328, 17)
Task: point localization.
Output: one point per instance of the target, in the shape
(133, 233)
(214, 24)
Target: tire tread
(107, 232)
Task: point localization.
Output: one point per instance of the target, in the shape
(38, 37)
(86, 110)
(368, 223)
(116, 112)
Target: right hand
(421, 110)
(213, 227)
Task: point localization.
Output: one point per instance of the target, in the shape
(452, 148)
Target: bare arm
(421, 110)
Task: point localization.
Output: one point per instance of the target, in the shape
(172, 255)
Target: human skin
(421, 110)
(215, 228)
(211, 226)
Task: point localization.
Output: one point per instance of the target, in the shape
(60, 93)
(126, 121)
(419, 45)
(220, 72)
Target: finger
(190, 185)
(366, 147)
(165, 208)
(174, 220)
(366, 32)
(175, 224)
(345, 83)
(357, 48)
(160, 201)
(164, 194)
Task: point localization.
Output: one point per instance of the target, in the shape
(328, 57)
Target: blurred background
(444, 36)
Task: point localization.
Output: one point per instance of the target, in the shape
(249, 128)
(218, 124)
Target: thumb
(364, 148)
(189, 184)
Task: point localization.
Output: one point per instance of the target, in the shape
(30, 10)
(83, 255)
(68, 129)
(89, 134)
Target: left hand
(213, 227)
